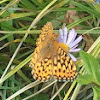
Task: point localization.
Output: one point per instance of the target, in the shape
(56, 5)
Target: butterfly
(50, 58)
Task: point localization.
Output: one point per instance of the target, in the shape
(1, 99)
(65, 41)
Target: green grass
(20, 25)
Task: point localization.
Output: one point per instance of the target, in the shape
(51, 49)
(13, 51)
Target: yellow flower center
(66, 48)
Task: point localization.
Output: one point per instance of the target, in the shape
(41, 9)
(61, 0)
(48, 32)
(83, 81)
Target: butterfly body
(48, 47)
(50, 58)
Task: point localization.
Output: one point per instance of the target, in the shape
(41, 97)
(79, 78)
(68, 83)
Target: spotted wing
(63, 66)
(47, 29)
(41, 65)
(41, 62)
(42, 70)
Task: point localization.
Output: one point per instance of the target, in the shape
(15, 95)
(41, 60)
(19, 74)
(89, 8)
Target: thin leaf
(85, 79)
(96, 91)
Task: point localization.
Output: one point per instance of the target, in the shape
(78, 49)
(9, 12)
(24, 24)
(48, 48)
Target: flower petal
(61, 33)
(65, 32)
(59, 39)
(74, 36)
(74, 46)
(74, 50)
(71, 36)
(73, 58)
(76, 42)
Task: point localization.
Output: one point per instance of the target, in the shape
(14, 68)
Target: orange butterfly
(50, 58)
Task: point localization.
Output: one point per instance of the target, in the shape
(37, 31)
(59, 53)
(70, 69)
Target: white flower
(69, 38)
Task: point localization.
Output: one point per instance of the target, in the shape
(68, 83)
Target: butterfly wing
(63, 66)
(46, 30)
(41, 62)
(42, 70)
